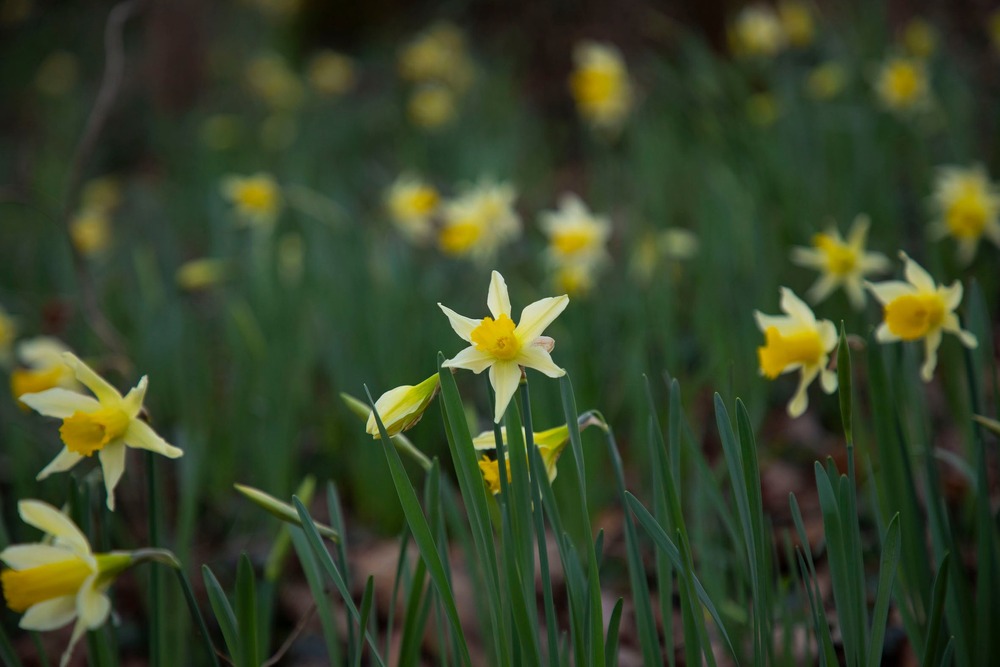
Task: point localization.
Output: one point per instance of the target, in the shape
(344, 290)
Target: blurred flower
(101, 194)
(841, 263)
(600, 85)
(673, 244)
(411, 204)
(763, 109)
(54, 582)
(331, 73)
(575, 234)
(106, 425)
(42, 367)
(58, 74)
(968, 208)
(797, 341)
(502, 346)
(796, 22)
(257, 199)
(278, 131)
(199, 274)
(479, 221)
(400, 409)
(920, 308)
(826, 81)
(221, 131)
(574, 278)
(919, 38)
(901, 84)
(756, 32)
(438, 55)
(8, 332)
(271, 80)
(432, 106)
(90, 231)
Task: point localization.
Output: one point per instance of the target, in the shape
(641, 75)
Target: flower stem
(156, 615)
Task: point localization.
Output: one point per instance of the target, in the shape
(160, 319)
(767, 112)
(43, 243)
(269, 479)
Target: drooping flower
(919, 38)
(796, 22)
(501, 345)
(42, 367)
(411, 204)
(479, 221)
(401, 408)
(54, 582)
(797, 341)
(967, 204)
(257, 199)
(757, 32)
(826, 80)
(600, 85)
(331, 73)
(106, 424)
(841, 263)
(920, 309)
(902, 85)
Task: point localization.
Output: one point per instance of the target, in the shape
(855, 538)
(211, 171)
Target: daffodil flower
(757, 32)
(411, 204)
(600, 85)
(920, 309)
(968, 208)
(901, 84)
(53, 583)
(841, 263)
(257, 199)
(43, 367)
(797, 341)
(106, 424)
(575, 234)
(501, 345)
(402, 408)
(479, 221)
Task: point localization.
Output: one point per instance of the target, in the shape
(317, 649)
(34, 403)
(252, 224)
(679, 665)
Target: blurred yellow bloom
(920, 308)
(58, 73)
(797, 341)
(271, 80)
(919, 38)
(90, 231)
(101, 194)
(574, 278)
(221, 131)
(479, 221)
(199, 274)
(841, 263)
(42, 367)
(400, 409)
(438, 55)
(411, 204)
(574, 233)
(257, 199)
(967, 204)
(54, 582)
(901, 84)
(8, 332)
(826, 81)
(501, 345)
(757, 32)
(763, 109)
(432, 106)
(106, 424)
(331, 73)
(490, 468)
(600, 85)
(796, 22)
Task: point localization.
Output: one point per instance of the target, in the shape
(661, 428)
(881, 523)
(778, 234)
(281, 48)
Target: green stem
(196, 616)
(155, 582)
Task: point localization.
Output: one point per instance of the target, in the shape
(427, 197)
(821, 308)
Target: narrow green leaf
(246, 612)
(314, 579)
(844, 382)
(886, 577)
(611, 644)
(7, 653)
(223, 612)
(935, 622)
(366, 609)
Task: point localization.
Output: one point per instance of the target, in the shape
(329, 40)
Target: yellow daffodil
(901, 84)
(90, 231)
(8, 332)
(411, 204)
(200, 274)
(438, 55)
(432, 106)
(490, 469)
(331, 73)
(501, 345)
(757, 32)
(967, 205)
(574, 278)
(919, 38)
(271, 80)
(600, 85)
(400, 409)
(479, 221)
(257, 199)
(106, 424)
(797, 341)
(101, 194)
(58, 74)
(841, 263)
(796, 22)
(54, 582)
(920, 309)
(826, 81)
(42, 367)
(575, 234)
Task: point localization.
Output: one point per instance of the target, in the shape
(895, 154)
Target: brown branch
(299, 627)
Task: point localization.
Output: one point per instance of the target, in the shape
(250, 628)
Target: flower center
(573, 241)
(779, 352)
(904, 82)
(841, 259)
(421, 202)
(491, 473)
(496, 338)
(913, 316)
(595, 86)
(460, 237)
(258, 197)
(967, 214)
(88, 432)
(25, 588)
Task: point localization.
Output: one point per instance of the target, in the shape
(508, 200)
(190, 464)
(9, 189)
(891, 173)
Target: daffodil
(400, 409)
(438, 55)
(478, 222)
(826, 81)
(757, 32)
(42, 367)
(101, 194)
(53, 583)
(106, 424)
(432, 106)
(90, 231)
(274, 83)
(919, 38)
(257, 199)
(575, 234)
(901, 84)
(841, 263)
(797, 341)
(968, 208)
(600, 85)
(796, 22)
(501, 345)
(920, 309)
(411, 204)
(200, 274)
(8, 332)
(331, 73)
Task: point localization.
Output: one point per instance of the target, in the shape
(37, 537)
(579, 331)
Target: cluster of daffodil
(759, 31)
(437, 63)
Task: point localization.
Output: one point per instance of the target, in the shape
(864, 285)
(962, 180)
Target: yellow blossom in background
(200, 274)
(478, 222)
(763, 109)
(271, 80)
(826, 81)
(400, 409)
(256, 199)
(841, 263)
(432, 106)
(42, 367)
(8, 333)
(411, 204)
(674, 244)
(600, 85)
(221, 131)
(920, 309)
(106, 424)
(501, 345)
(575, 279)
(574, 233)
(58, 74)
(331, 73)
(967, 206)
(102, 194)
(90, 231)
(796, 22)
(797, 341)
(919, 38)
(61, 579)
(757, 32)
(438, 55)
(902, 85)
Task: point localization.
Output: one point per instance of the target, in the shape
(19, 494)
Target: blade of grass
(314, 579)
(886, 577)
(614, 625)
(246, 612)
(935, 622)
(366, 609)
(223, 612)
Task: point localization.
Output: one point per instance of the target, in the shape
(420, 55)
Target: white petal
(538, 315)
(889, 290)
(471, 359)
(796, 307)
(92, 605)
(828, 380)
(532, 356)
(823, 287)
(808, 257)
(827, 335)
(50, 614)
(498, 301)
(59, 403)
(874, 262)
(142, 436)
(855, 292)
(783, 323)
(113, 466)
(859, 232)
(63, 461)
(800, 401)
(917, 275)
(26, 556)
(884, 335)
(952, 295)
(462, 325)
(49, 520)
(504, 376)
(967, 250)
(951, 325)
(102, 389)
(41, 352)
(931, 343)
(134, 398)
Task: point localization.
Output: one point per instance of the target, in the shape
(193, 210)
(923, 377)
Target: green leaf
(246, 612)
(611, 644)
(366, 609)
(935, 622)
(886, 577)
(844, 385)
(314, 579)
(223, 611)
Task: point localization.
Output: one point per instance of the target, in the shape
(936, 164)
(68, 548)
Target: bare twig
(299, 627)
